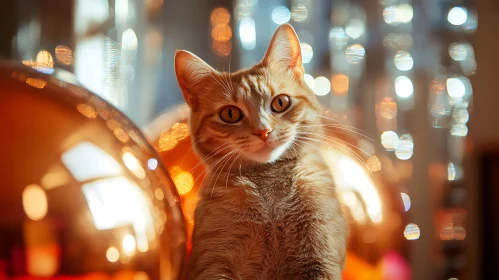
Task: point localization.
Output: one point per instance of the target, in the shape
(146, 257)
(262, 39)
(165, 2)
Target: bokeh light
(219, 16)
(322, 86)
(404, 13)
(460, 115)
(299, 13)
(159, 194)
(403, 87)
(309, 80)
(403, 61)
(387, 108)
(338, 38)
(152, 163)
(247, 33)
(133, 164)
(44, 59)
(221, 48)
(355, 28)
(373, 163)
(405, 148)
(456, 87)
(35, 202)
(394, 15)
(461, 51)
(86, 110)
(129, 40)
(36, 83)
(355, 53)
(366, 146)
(64, 55)
(406, 200)
(307, 52)
(221, 33)
(281, 15)
(457, 16)
(412, 232)
(183, 180)
(340, 84)
(112, 254)
(389, 140)
(459, 130)
(129, 244)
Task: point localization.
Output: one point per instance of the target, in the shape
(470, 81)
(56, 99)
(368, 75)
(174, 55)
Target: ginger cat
(268, 207)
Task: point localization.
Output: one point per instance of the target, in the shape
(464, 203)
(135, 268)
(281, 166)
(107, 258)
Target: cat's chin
(268, 154)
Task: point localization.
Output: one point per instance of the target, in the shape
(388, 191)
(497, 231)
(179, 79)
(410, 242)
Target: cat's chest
(270, 199)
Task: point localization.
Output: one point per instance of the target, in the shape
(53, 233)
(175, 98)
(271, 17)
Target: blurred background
(404, 72)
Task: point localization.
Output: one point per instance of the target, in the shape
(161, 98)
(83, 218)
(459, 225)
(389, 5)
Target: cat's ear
(193, 75)
(284, 51)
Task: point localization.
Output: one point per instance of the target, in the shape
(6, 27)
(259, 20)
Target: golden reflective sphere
(83, 194)
(377, 248)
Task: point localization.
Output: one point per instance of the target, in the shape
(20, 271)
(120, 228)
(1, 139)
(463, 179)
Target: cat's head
(261, 114)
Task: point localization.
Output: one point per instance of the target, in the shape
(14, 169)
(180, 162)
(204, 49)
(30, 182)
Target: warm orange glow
(42, 260)
(35, 202)
(357, 268)
(86, 110)
(121, 134)
(387, 108)
(64, 55)
(158, 193)
(141, 276)
(112, 124)
(166, 142)
(180, 131)
(222, 48)
(36, 83)
(169, 139)
(112, 254)
(129, 244)
(133, 164)
(437, 87)
(44, 59)
(340, 84)
(183, 180)
(221, 33)
(55, 178)
(373, 163)
(219, 16)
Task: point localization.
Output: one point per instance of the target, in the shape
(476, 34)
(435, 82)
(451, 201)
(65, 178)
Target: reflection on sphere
(79, 188)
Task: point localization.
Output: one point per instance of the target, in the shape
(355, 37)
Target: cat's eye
(280, 103)
(231, 114)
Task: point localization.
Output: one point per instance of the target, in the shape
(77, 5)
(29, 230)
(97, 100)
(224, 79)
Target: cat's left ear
(284, 51)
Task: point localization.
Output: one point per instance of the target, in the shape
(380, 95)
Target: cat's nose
(264, 134)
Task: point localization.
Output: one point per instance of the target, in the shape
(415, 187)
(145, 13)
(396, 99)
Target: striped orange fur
(268, 207)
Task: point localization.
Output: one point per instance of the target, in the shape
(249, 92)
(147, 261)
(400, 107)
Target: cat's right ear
(192, 75)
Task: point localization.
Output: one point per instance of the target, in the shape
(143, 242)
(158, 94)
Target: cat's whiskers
(347, 150)
(221, 169)
(192, 146)
(339, 126)
(207, 169)
(213, 166)
(230, 168)
(212, 154)
(326, 137)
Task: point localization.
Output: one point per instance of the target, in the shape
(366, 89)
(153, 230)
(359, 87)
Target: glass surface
(82, 192)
